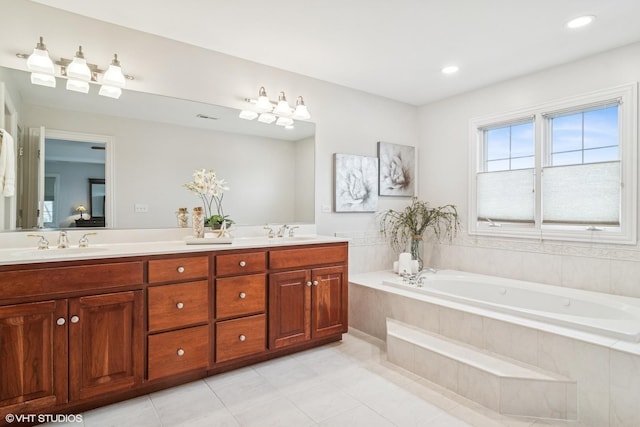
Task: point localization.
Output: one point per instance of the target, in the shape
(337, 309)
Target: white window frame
(626, 233)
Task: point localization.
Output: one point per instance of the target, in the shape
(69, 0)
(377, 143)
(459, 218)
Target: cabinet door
(33, 356)
(289, 308)
(105, 343)
(329, 301)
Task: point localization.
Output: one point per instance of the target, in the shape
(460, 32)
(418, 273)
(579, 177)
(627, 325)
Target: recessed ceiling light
(580, 21)
(451, 69)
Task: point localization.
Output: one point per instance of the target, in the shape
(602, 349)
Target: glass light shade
(284, 121)
(48, 80)
(264, 104)
(248, 115)
(78, 86)
(79, 70)
(113, 76)
(282, 108)
(301, 112)
(110, 91)
(267, 118)
(40, 62)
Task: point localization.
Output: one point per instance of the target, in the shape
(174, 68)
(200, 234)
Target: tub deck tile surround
(504, 385)
(607, 370)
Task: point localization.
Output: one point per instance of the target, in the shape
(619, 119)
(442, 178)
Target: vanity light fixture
(78, 72)
(280, 112)
(41, 66)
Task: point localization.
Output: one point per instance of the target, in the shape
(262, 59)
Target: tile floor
(344, 384)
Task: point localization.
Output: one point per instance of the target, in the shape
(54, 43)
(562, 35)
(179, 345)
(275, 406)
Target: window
(558, 170)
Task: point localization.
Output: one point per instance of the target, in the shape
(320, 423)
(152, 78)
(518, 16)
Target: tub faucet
(417, 279)
(63, 241)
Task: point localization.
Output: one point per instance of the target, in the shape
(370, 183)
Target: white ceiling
(392, 48)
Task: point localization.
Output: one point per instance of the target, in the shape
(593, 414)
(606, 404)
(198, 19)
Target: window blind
(506, 196)
(582, 194)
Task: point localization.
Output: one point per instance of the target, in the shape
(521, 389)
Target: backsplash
(610, 269)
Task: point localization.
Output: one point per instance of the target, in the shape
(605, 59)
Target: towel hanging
(7, 165)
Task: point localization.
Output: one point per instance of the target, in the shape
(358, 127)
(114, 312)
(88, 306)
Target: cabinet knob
(315, 283)
(180, 269)
(242, 295)
(180, 352)
(61, 321)
(308, 284)
(75, 319)
(180, 306)
(242, 337)
(243, 263)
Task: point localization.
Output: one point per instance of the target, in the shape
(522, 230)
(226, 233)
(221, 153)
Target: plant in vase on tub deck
(409, 225)
(211, 190)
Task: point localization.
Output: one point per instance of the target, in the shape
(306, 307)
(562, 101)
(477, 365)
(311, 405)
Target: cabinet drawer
(178, 351)
(249, 262)
(181, 304)
(178, 269)
(295, 258)
(58, 280)
(240, 295)
(240, 337)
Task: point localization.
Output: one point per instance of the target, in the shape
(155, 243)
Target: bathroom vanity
(91, 330)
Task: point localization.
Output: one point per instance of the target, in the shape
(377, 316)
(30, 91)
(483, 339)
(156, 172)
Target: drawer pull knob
(181, 269)
(242, 295)
(242, 338)
(180, 352)
(61, 321)
(315, 283)
(75, 319)
(243, 263)
(308, 284)
(180, 306)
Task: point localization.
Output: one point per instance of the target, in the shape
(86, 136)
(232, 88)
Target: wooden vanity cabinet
(307, 303)
(69, 349)
(77, 334)
(178, 316)
(241, 324)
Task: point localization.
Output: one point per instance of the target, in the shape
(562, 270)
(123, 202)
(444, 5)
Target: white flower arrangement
(211, 190)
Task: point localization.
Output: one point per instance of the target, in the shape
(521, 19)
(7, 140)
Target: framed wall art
(356, 183)
(397, 169)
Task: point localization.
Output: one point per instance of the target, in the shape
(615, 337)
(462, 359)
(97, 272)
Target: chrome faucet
(63, 241)
(84, 241)
(292, 230)
(43, 243)
(417, 279)
(271, 234)
(282, 230)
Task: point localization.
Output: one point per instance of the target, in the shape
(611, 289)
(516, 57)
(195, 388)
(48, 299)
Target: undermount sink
(55, 252)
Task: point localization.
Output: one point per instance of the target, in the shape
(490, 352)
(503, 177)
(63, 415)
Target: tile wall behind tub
(600, 268)
(368, 251)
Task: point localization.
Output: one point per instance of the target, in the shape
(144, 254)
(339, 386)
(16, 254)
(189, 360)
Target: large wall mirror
(145, 148)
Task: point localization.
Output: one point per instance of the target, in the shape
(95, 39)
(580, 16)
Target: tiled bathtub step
(499, 383)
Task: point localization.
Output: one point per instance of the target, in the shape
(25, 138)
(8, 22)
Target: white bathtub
(603, 314)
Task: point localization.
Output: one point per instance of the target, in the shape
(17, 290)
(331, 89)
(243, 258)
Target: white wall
(444, 130)
(348, 121)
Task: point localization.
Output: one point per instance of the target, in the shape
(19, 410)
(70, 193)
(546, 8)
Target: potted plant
(211, 190)
(410, 225)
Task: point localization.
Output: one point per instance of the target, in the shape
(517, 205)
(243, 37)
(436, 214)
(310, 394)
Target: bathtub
(602, 314)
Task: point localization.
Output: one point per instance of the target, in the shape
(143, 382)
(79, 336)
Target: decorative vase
(198, 222)
(183, 217)
(417, 250)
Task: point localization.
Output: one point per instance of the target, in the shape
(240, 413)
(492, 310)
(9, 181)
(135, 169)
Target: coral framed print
(397, 169)
(356, 183)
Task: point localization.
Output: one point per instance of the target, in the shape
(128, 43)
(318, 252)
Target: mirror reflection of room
(69, 167)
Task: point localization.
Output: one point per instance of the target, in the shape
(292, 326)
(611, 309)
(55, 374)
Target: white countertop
(99, 249)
